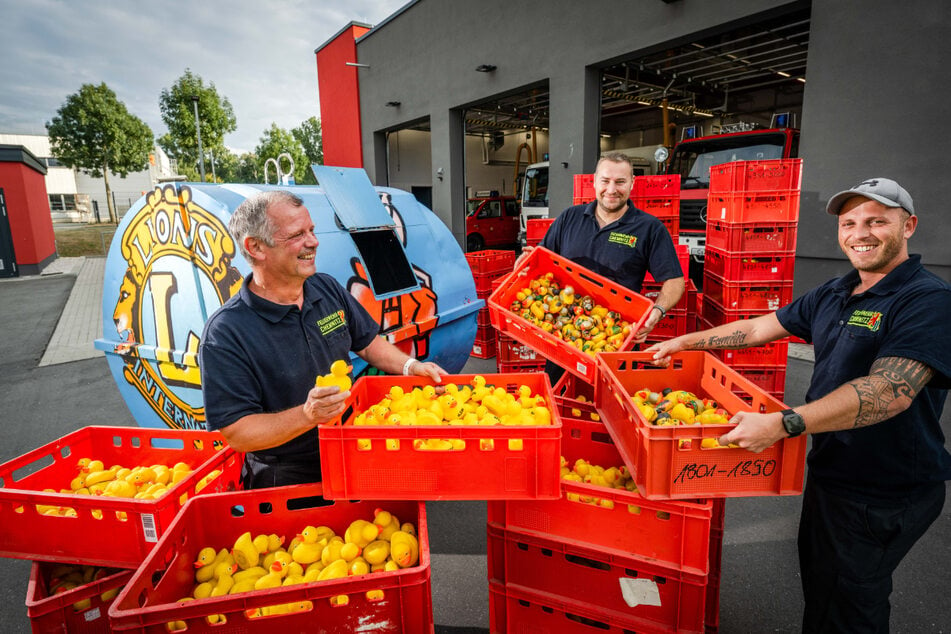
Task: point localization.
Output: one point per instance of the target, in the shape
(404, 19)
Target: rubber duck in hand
(339, 376)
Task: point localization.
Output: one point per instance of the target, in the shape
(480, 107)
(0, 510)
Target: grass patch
(90, 240)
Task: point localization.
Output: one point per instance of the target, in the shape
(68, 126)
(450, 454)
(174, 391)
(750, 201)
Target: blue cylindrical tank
(172, 263)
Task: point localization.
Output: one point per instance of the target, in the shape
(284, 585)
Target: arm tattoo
(891, 379)
(735, 340)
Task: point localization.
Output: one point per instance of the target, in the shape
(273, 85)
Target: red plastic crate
(773, 353)
(711, 623)
(126, 529)
(615, 521)
(490, 261)
(582, 200)
(150, 599)
(482, 319)
(65, 612)
(754, 206)
(747, 295)
(754, 267)
(518, 609)
(520, 367)
(590, 577)
(536, 228)
(483, 349)
(484, 282)
(757, 176)
(767, 378)
(632, 307)
(571, 387)
(358, 463)
(777, 237)
(668, 461)
(659, 207)
(583, 186)
(659, 186)
(511, 350)
(716, 315)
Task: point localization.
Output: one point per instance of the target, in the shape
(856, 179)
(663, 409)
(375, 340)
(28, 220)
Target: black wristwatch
(793, 423)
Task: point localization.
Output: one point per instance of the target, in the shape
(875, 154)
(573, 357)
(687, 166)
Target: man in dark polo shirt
(263, 349)
(878, 463)
(618, 241)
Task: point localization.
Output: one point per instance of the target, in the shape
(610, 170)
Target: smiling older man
(262, 350)
(878, 463)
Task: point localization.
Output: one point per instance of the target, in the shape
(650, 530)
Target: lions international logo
(176, 252)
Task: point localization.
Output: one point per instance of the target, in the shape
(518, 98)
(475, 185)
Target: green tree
(274, 142)
(215, 116)
(238, 169)
(93, 131)
(308, 133)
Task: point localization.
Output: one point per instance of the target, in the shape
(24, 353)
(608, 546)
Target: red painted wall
(339, 88)
(28, 207)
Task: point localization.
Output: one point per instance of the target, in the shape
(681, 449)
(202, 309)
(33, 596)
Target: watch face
(793, 423)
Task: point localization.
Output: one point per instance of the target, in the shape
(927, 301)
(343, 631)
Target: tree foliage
(215, 116)
(274, 142)
(94, 131)
(238, 169)
(309, 134)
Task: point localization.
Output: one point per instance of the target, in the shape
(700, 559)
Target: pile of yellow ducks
(315, 554)
(479, 404)
(680, 407)
(583, 471)
(66, 577)
(140, 482)
(556, 309)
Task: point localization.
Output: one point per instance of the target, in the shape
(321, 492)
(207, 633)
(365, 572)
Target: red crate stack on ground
(659, 196)
(488, 268)
(753, 213)
(535, 230)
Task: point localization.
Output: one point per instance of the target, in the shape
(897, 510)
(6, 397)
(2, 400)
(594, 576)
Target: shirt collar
(889, 284)
(268, 309)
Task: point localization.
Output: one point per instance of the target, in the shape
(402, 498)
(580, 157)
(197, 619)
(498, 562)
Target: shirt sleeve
(552, 239)
(229, 386)
(918, 330)
(796, 317)
(363, 328)
(662, 262)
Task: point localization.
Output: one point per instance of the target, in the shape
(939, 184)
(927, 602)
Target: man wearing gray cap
(878, 463)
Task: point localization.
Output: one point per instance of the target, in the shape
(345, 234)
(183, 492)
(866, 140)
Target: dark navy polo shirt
(904, 315)
(622, 251)
(260, 357)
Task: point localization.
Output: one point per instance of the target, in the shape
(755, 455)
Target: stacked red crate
(488, 268)
(659, 196)
(753, 213)
(535, 230)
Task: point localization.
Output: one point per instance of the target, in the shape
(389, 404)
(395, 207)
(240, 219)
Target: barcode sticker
(148, 527)
(582, 368)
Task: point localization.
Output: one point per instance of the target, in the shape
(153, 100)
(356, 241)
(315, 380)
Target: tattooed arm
(744, 333)
(891, 385)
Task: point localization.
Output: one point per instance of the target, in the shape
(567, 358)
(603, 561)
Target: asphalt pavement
(759, 582)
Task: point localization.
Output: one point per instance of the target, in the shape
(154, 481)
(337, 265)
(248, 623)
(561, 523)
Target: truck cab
(491, 221)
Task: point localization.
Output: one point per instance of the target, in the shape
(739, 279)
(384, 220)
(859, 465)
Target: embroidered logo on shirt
(622, 238)
(866, 319)
(331, 322)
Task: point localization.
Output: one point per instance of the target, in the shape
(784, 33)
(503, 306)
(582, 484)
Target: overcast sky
(258, 53)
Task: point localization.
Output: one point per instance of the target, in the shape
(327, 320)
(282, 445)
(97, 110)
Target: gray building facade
(870, 101)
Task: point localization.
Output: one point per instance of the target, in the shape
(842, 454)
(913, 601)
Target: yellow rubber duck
(244, 552)
(339, 376)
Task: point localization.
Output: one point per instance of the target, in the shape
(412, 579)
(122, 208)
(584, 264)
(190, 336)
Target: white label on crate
(92, 615)
(148, 527)
(722, 213)
(639, 592)
(582, 368)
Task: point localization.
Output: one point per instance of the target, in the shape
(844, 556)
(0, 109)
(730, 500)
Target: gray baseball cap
(883, 190)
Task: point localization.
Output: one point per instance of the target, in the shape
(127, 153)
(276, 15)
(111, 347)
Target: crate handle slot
(583, 620)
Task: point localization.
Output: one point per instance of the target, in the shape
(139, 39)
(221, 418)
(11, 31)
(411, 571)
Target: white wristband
(406, 366)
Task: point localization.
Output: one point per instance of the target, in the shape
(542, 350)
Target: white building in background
(78, 197)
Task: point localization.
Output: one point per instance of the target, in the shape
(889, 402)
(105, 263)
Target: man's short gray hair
(615, 157)
(250, 219)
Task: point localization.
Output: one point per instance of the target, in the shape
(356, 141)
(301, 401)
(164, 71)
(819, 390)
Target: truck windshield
(535, 192)
(693, 160)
